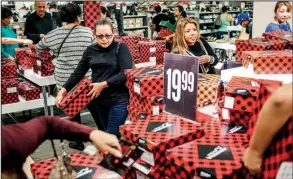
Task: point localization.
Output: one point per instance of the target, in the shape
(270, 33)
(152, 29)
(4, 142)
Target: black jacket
(107, 64)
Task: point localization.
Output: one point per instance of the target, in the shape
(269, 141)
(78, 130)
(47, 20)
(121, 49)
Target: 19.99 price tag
(180, 84)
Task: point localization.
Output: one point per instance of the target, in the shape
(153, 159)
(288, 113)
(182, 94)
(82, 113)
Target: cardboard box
(8, 68)
(77, 98)
(159, 134)
(152, 105)
(9, 93)
(207, 89)
(235, 117)
(147, 51)
(241, 93)
(164, 32)
(43, 67)
(147, 81)
(135, 114)
(258, 44)
(28, 91)
(22, 59)
(268, 62)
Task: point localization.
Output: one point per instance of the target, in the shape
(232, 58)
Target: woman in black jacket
(187, 41)
(107, 59)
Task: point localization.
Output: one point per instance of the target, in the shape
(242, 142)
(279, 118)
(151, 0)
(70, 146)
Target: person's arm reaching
(276, 111)
(32, 133)
(6, 40)
(213, 58)
(42, 44)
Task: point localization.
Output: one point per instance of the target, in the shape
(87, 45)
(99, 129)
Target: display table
(45, 102)
(224, 46)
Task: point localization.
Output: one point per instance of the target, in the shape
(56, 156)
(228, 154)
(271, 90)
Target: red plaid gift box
(234, 116)
(268, 62)
(22, 59)
(280, 34)
(43, 66)
(9, 93)
(131, 42)
(160, 50)
(8, 68)
(147, 51)
(257, 44)
(77, 98)
(145, 81)
(216, 155)
(241, 93)
(152, 105)
(164, 32)
(207, 89)
(136, 114)
(91, 11)
(159, 134)
(28, 91)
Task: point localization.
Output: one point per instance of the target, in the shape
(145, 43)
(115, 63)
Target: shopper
(283, 12)
(108, 60)
(226, 20)
(39, 23)
(68, 52)
(243, 20)
(20, 140)
(187, 41)
(156, 21)
(7, 51)
(104, 12)
(276, 111)
(179, 13)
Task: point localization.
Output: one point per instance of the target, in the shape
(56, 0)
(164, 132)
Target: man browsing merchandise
(39, 23)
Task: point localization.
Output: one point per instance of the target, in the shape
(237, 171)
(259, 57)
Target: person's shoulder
(31, 16)
(272, 27)
(85, 29)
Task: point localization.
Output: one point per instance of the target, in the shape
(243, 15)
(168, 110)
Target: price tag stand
(180, 84)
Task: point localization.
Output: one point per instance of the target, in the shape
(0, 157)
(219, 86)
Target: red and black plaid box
(160, 50)
(146, 81)
(159, 134)
(8, 68)
(241, 93)
(257, 44)
(91, 11)
(131, 42)
(268, 62)
(44, 66)
(147, 51)
(29, 91)
(207, 89)
(22, 59)
(77, 98)
(9, 93)
(152, 105)
(280, 34)
(234, 116)
(164, 32)
(136, 114)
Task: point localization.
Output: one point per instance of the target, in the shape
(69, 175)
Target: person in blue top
(6, 31)
(283, 11)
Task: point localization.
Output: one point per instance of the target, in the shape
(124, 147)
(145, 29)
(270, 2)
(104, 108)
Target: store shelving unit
(144, 24)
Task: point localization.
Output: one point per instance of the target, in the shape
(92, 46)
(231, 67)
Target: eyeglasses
(102, 36)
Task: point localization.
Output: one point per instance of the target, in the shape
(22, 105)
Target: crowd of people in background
(81, 52)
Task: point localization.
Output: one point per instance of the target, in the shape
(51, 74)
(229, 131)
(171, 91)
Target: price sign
(180, 84)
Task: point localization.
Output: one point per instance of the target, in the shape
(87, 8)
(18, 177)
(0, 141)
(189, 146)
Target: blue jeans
(111, 117)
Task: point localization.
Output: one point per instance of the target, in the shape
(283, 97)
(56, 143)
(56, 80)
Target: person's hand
(204, 59)
(252, 161)
(10, 57)
(107, 143)
(27, 41)
(97, 89)
(42, 35)
(61, 94)
(60, 171)
(168, 38)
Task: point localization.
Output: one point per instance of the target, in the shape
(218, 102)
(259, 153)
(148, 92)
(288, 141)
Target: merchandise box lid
(145, 72)
(28, 86)
(258, 41)
(271, 54)
(214, 155)
(162, 131)
(80, 87)
(138, 114)
(8, 83)
(243, 86)
(282, 34)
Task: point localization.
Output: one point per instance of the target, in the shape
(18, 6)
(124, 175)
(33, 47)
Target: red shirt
(20, 140)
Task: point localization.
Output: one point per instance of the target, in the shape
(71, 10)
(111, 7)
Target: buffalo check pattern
(22, 59)
(269, 62)
(91, 11)
(8, 68)
(258, 44)
(136, 114)
(77, 99)
(280, 34)
(207, 89)
(28, 91)
(9, 93)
